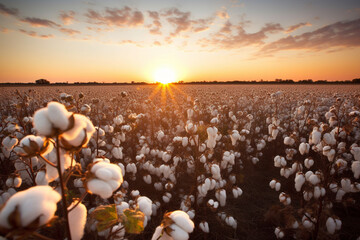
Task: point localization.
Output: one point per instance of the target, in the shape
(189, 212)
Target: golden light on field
(165, 75)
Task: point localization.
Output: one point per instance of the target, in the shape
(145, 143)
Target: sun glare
(165, 75)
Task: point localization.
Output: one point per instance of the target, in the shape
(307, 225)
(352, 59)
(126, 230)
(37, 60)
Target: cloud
(341, 34)
(156, 24)
(222, 14)
(182, 22)
(124, 17)
(4, 30)
(67, 17)
(69, 31)
(39, 22)
(297, 26)
(227, 38)
(8, 11)
(157, 43)
(130, 42)
(34, 34)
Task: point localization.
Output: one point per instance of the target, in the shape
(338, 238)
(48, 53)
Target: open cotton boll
(42, 123)
(105, 180)
(58, 115)
(77, 220)
(36, 202)
(221, 196)
(204, 226)
(304, 148)
(80, 133)
(9, 142)
(355, 167)
(145, 205)
(159, 234)
(330, 225)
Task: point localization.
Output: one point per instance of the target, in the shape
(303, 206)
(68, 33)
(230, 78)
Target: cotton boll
(41, 178)
(181, 219)
(355, 167)
(58, 115)
(289, 141)
(307, 195)
(77, 220)
(145, 205)
(166, 197)
(108, 179)
(272, 183)
(277, 186)
(204, 226)
(304, 148)
(221, 196)
(278, 233)
(339, 195)
(330, 225)
(314, 179)
(346, 184)
(309, 162)
(9, 142)
(36, 202)
(159, 234)
(42, 123)
(117, 152)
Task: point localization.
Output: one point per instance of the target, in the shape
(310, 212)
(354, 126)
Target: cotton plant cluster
(135, 157)
(320, 146)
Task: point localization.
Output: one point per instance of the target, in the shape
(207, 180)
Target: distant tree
(356, 80)
(42, 81)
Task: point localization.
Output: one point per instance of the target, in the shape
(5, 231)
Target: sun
(165, 75)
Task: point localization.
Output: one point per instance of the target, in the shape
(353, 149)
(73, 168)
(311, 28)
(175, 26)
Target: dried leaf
(106, 216)
(133, 220)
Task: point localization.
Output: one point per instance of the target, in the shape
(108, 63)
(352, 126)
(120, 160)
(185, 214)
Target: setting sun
(165, 75)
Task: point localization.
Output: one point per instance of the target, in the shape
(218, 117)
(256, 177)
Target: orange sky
(108, 41)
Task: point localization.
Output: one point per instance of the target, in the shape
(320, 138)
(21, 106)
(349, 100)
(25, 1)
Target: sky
(194, 40)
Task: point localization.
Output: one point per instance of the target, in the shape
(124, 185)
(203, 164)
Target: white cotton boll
(159, 234)
(183, 220)
(314, 179)
(77, 220)
(221, 196)
(340, 194)
(121, 207)
(119, 229)
(289, 141)
(331, 155)
(333, 187)
(185, 141)
(191, 213)
(355, 167)
(204, 226)
(178, 233)
(58, 115)
(166, 197)
(117, 152)
(272, 183)
(330, 225)
(9, 142)
(346, 184)
(109, 178)
(315, 136)
(230, 221)
(145, 205)
(355, 150)
(309, 162)
(17, 182)
(329, 139)
(277, 186)
(278, 233)
(338, 224)
(41, 122)
(317, 192)
(308, 174)
(35, 202)
(307, 224)
(9, 182)
(274, 133)
(304, 148)
(41, 178)
(147, 178)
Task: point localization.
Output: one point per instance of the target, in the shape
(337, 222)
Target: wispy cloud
(182, 22)
(156, 24)
(8, 11)
(67, 17)
(338, 35)
(39, 22)
(222, 14)
(36, 35)
(226, 38)
(69, 31)
(124, 17)
(297, 26)
(4, 30)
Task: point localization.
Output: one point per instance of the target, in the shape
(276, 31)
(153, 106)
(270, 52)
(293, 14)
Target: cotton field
(180, 162)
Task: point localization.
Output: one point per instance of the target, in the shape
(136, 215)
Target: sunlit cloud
(39, 22)
(124, 17)
(67, 17)
(225, 39)
(156, 24)
(297, 26)
(222, 14)
(338, 35)
(36, 35)
(4, 30)
(69, 31)
(8, 11)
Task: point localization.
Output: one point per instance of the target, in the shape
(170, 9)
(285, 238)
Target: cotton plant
(316, 165)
